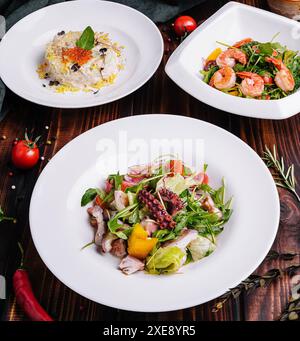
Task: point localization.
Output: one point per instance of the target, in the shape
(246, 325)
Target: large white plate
(23, 46)
(59, 225)
(231, 24)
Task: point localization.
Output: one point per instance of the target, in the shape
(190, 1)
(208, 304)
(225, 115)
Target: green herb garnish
(254, 282)
(87, 39)
(90, 194)
(283, 177)
(3, 217)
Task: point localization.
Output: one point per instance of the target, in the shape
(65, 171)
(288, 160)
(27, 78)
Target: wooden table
(159, 95)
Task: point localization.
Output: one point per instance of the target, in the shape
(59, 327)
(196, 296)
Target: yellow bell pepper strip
(214, 55)
(139, 245)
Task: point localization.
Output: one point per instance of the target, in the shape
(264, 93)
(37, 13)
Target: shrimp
(284, 78)
(252, 84)
(230, 56)
(224, 78)
(242, 42)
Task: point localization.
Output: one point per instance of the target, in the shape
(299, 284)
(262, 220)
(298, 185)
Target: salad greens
(165, 260)
(162, 217)
(257, 54)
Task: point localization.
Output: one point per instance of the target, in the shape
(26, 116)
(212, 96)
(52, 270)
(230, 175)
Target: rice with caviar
(72, 68)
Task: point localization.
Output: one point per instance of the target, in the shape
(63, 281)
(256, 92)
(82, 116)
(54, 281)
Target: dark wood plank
(159, 95)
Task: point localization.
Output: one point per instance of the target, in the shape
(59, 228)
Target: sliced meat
(118, 248)
(131, 181)
(195, 179)
(106, 214)
(184, 239)
(149, 225)
(92, 220)
(129, 265)
(139, 170)
(97, 214)
(108, 186)
(121, 200)
(209, 205)
(106, 244)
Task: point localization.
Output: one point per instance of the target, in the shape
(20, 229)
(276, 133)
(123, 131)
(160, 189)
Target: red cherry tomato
(176, 166)
(125, 185)
(205, 179)
(268, 79)
(100, 202)
(184, 25)
(25, 154)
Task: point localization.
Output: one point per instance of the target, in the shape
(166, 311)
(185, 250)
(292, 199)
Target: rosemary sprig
(3, 217)
(283, 178)
(254, 282)
(292, 311)
(274, 255)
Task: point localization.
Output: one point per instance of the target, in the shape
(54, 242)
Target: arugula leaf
(109, 197)
(87, 39)
(268, 48)
(195, 217)
(164, 235)
(113, 223)
(239, 67)
(90, 194)
(208, 74)
(135, 189)
(134, 218)
(117, 179)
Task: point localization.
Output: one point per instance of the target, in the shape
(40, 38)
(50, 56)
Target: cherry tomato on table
(25, 153)
(183, 25)
(205, 179)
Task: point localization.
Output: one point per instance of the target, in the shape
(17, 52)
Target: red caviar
(76, 55)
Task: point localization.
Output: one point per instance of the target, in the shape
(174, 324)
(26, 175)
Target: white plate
(230, 24)
(59, 226)
(23, 46)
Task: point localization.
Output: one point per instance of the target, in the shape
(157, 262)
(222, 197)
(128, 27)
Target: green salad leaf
(90, 194)
(87, 39)
(165, 260)
(201, 247)
(114, 225)
(117, 180)
(197, 218)
(164, 235)
(208, 74)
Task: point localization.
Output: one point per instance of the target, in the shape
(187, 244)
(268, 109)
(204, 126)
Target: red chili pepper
(25, 297)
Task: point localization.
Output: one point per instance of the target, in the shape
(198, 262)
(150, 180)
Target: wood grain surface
(158, 95)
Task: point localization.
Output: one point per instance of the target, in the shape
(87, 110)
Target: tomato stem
(31, 144)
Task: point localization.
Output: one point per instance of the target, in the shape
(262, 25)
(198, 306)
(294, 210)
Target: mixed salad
(252, 69)
(157, 217)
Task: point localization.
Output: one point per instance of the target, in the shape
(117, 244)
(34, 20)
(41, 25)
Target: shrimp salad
(157, 217)
(85, 61)
(251, 69)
